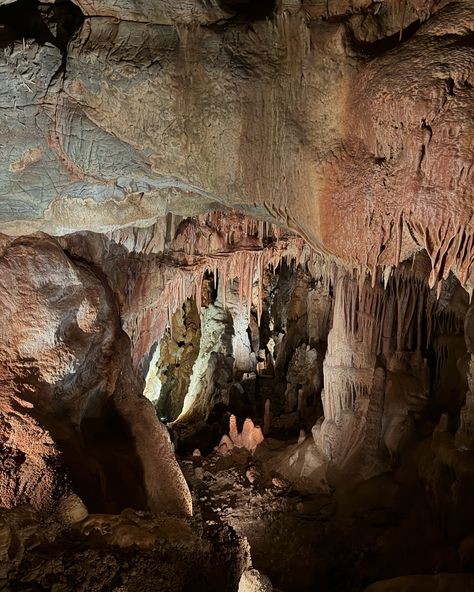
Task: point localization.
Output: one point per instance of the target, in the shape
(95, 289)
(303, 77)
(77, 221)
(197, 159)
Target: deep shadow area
(249, 10)
(381, 46)
(100, 460)
(45, 23)
(103, 464)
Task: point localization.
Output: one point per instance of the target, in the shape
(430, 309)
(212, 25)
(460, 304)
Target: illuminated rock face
(72, 411)
(300, 309)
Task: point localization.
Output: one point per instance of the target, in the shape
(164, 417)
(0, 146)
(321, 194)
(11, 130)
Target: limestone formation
(129, 550)
(221, 214)
(353, 122)
(249, 438)
(132, 529)
(70, 509)
(267, 418)
(67, 386)
(465, 433)
(254, 581)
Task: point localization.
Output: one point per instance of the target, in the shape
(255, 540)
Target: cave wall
(73, 413)
(348, 122)
(272, 205)
(390, 332)
(354, 364)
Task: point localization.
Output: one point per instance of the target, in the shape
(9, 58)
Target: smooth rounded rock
(254, 581)
(70, 509)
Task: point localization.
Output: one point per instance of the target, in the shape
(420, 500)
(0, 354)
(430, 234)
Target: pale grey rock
(254, 581)
(70, 509)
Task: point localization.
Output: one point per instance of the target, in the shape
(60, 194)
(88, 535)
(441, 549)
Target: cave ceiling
(350, 123)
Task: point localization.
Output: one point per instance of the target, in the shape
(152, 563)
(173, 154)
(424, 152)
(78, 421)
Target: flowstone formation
(236, 270)
(303, 382)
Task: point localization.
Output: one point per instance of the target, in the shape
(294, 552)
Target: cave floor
(335, 540)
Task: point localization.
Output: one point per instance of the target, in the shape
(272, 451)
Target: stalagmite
(267, 417)
(250, 437)
(220, 213)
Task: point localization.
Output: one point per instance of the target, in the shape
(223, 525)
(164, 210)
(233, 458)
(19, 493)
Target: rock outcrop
(131, 550)
(255, 210)
(72, 411)
(254, 581)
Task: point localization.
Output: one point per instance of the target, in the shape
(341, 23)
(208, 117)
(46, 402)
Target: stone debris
(70, 509)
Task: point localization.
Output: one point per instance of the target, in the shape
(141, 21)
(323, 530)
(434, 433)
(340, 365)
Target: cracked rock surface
(326, 118)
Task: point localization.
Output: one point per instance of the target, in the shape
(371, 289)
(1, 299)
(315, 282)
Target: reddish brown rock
(348, 122)
(72, 410)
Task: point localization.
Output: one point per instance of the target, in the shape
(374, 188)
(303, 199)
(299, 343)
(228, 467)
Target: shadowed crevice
(45, 23)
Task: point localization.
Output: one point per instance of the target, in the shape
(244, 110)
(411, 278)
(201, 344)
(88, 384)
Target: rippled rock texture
(262, 215)
(350, 122)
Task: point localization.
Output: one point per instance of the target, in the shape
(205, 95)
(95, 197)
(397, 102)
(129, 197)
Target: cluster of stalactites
(182, 280)
(400, 314)
(205, 234)
(248, 267)
(222, 232)
(449, 246)
(233, 247)
(451, 249)
(233, 225)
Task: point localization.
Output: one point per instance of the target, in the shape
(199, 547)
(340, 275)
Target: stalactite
(441, 321)
(450, 249)
(178, 273)
(399, 239)
(233, 247)
(368, 313)
(441, 353)
(224, 285)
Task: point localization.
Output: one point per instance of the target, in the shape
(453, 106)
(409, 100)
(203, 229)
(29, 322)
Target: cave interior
(236, 277)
